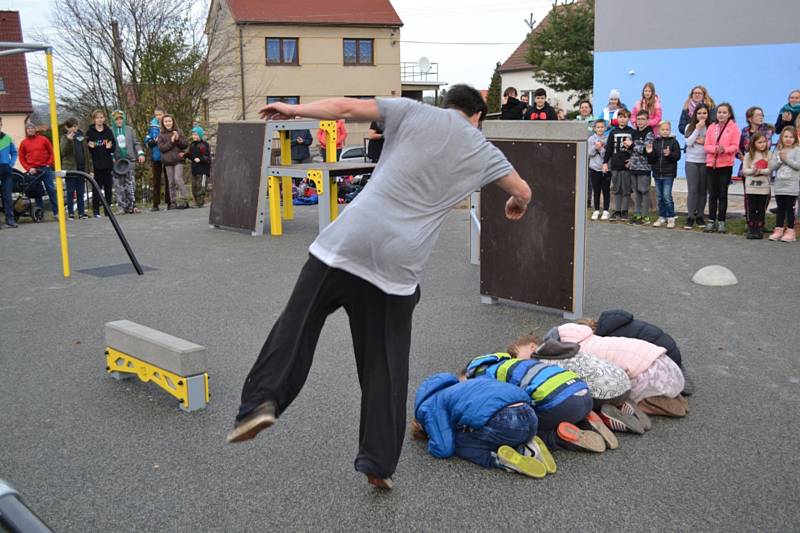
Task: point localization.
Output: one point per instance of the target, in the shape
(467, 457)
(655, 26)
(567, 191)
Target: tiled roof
(316, 12)
(13, 70)
(516, 61)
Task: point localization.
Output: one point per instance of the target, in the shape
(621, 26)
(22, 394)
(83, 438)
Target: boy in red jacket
(36, 157)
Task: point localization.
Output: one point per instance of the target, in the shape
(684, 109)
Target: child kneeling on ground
(480, 420)
(560, 398)
(656, 381)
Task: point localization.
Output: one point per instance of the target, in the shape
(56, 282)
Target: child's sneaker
(616, 217)
(511, 459)
(689, 223)
(595, 215)
(630, 408)
(594, 422)
(776, 234)
(660, 222)
(710, 227)
(537, 449)
(646, 220)
(721, 227)
(789, 236)
(670, 222)
(578, 438)
(636, 220)
(619, 421)
(605, 215)
(663, 406)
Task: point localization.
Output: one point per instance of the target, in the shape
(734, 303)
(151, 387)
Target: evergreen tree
(561, 49)
(493, 99)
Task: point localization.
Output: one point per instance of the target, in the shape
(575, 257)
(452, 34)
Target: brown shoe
(380, 483)
(260, 418)
(663, 406)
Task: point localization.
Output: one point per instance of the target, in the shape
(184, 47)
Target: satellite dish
(424, 64)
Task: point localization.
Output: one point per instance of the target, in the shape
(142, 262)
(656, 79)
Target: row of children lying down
(570, 391)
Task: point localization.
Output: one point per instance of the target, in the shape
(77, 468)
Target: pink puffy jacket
(729, 142)
(655, 118)
(632, 355)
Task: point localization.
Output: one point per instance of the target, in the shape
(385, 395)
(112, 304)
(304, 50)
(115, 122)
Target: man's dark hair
(466, 99)
(539, 92)
(642, 113)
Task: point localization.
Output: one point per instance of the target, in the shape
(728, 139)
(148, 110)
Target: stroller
(28, 187)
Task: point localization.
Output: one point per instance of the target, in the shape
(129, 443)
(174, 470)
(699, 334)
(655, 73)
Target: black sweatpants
(785, 212)
(756, 210)
(103, 179)
(718, 181)
(601, 182)
(380, 325)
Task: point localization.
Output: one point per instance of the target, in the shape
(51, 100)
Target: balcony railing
(410, 72)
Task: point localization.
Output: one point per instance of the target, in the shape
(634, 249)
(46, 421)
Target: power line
(458, 44)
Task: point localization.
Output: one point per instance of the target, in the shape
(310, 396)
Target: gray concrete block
(561, 130)
(157, 348)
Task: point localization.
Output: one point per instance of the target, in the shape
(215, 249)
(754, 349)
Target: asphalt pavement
(92, 454)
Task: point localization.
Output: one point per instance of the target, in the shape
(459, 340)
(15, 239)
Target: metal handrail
(117, 228)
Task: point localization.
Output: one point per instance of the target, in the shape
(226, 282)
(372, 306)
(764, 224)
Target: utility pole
(117, 49)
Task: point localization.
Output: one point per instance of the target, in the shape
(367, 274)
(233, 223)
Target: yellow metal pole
(329, 126)
(286, 182)
(62, 223)
(275, 227)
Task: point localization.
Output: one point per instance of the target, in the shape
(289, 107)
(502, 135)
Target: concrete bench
(176, 365)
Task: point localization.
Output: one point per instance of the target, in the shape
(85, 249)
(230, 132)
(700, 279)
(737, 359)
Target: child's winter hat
(199, 131)
(118, 113)
(614, 94)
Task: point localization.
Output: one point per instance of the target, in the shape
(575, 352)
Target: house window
(281, 51)
(285, 99)
(358, 52)
(2, 86)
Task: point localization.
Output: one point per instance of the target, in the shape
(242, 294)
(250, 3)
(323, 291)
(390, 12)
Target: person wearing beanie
(159, 172)
(36, 157)
(199, 154)
(8, 156)
(128, 148)
(613, 107)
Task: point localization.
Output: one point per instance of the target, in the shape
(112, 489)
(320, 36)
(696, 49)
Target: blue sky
(501, 21)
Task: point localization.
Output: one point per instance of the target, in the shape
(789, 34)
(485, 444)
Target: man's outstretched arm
(328, 109)
(520, 193)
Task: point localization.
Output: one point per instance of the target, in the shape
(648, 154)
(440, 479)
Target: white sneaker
(606, 215)
(660, 222)
(595, 215)
(671, 222)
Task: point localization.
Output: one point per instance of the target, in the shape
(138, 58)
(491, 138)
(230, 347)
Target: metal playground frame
(13, 48)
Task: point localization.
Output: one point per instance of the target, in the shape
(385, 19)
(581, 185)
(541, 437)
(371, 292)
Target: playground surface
(89, 453)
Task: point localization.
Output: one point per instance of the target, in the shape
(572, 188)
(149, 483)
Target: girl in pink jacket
(651, 372)
(721, 146)
(651, 103)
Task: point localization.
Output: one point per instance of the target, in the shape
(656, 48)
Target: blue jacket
(444, 405)
(8, 152)
(150, 140)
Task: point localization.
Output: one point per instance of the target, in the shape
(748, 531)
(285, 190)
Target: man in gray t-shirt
(370, 258)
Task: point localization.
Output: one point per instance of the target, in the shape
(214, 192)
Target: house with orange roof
(299, 52)
(15, 92)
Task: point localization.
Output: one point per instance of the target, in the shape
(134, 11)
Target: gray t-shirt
(432, 159)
